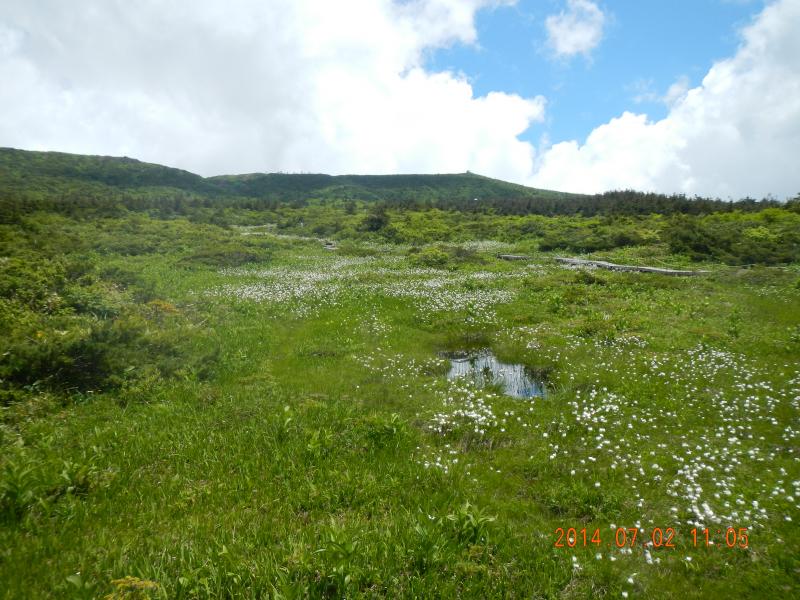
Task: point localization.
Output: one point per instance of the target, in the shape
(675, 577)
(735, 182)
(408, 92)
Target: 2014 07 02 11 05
(658, 537)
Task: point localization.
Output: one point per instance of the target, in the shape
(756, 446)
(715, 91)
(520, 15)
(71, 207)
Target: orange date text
(657, 537)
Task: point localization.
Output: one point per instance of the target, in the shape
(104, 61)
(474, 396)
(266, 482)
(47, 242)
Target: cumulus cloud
(576, 30)
(312, 85)
(735, 134)
(247, 85)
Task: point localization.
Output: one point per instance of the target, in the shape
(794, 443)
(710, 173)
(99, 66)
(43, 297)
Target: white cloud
(736, 134)
(246, 85)
(644, 91)
(577, 30)
(312, 85)
(677, 91)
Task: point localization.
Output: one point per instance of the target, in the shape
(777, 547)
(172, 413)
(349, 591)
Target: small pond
(484, 369)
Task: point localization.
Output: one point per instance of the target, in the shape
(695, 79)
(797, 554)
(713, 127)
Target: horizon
(729, 199)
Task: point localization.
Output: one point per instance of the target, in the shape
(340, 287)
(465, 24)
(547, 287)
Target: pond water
(484, 369)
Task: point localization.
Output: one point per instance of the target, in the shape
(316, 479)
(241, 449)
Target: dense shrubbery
(769, 237)
(226, 255)
(442, 255)
(432, 256)
(583, 238)
(72, 321)
(65, 333)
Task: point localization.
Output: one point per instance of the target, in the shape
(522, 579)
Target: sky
(699, 97)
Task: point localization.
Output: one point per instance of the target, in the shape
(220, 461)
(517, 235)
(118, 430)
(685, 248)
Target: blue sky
(700, 97)
(647, 46)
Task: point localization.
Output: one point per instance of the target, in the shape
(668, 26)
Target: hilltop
(80, 180)
(24, 169)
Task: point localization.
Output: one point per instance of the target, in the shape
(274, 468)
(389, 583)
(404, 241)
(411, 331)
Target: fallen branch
(579, 262)
(513, 257)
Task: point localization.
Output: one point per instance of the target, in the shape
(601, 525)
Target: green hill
(50, 177)
(52, 171)
(44, 172)
(462, 186)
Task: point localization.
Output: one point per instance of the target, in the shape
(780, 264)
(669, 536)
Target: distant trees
(620, 202)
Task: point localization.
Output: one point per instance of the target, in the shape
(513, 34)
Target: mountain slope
(44, 170)
(462, 186)
(56, 177)
(48, 171)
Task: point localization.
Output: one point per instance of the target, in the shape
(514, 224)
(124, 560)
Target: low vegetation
(198, 399)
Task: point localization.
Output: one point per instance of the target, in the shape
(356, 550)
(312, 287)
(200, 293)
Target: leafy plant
(17, 487)
(340, 554)
(470, 524)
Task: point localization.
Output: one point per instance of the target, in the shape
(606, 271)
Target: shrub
(69, 326)
(430, 256)
(736, 239)
(231, 254)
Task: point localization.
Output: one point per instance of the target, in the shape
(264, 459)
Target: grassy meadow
(199, 409)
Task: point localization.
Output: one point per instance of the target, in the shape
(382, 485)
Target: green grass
(304, 462)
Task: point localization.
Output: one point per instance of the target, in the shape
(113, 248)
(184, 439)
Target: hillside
(396, 188)
(51, 171)
(78, 180)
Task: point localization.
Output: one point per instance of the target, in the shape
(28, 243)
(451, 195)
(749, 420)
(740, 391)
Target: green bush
(431, 256)
(77, 353)
(443, 255)
(69, 326)
(224, 257)
(768, 237)
(591, 239)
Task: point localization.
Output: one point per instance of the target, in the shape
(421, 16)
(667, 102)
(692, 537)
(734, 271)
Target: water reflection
(484, 369)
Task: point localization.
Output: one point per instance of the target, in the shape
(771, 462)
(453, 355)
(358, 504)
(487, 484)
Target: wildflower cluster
(312, 282)
(704, 447)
